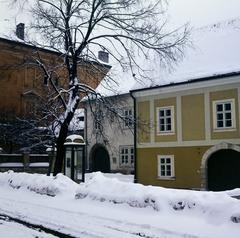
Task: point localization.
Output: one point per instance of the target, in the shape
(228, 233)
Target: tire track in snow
(86, 225)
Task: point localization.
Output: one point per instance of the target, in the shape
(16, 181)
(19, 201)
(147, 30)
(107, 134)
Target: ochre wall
(143, 112)
(193, 117)
(189, 149)
(187, 166)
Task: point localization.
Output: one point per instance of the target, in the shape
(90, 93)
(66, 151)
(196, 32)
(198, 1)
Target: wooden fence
(31, 163)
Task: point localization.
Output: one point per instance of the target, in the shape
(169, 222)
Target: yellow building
(188, 134)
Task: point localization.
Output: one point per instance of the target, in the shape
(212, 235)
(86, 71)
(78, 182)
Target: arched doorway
(223, 170)
(228, 155)
(100, 160)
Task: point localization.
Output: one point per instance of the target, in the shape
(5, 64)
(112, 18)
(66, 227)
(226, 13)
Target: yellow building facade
(188, 134)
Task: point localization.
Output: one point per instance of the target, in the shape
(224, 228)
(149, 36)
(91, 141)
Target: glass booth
(75, 158)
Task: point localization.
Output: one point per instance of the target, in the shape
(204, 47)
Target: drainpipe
(86, 137)
(135, 137)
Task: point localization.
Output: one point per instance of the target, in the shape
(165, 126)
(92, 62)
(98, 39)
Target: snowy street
(10, 228)
(90, 216)
(91, 219)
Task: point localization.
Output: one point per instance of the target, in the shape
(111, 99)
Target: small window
(165, 120)
(81, 118)
(224, 114)
(166, 166)
(128, 118)
(98, 120)
(126, 156)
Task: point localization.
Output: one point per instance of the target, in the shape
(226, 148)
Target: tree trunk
(58, 166)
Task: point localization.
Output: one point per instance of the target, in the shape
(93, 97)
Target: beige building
(188, 134)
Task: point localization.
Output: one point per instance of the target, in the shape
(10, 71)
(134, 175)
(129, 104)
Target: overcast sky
(203, 12)
(197, 12)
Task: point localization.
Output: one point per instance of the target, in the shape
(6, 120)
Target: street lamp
(75, 158)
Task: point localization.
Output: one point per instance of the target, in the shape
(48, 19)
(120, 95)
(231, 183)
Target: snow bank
(39, 183)
(122, 177)
(210, 204)
(213, 206)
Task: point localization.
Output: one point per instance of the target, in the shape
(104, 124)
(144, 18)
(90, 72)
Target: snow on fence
(36, 163)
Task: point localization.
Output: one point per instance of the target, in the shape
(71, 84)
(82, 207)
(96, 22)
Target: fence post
(26, 160)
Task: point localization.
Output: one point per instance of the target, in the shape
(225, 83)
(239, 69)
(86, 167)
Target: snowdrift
(39, 183)
(99, 187)
(218, 204)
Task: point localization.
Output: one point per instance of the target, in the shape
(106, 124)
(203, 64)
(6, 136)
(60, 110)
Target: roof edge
(202, 79)
(23, 44)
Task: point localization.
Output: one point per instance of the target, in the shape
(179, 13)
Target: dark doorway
(223, 170)
(100, 159)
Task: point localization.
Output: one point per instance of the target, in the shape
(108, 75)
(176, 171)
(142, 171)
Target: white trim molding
(224, 112)
(207, 116)
(177, 144)
(188, 86)
(179, 119)
(165, 117)
(165, 164)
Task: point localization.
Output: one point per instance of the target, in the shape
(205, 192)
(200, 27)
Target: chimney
(20, 31)
(103, 56)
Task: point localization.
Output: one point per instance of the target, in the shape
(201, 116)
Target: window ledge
(126, 166)
(166, 178)
(224, 129)
(169, 133)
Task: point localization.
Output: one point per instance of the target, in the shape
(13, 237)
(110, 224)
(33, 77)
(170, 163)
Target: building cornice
(216, 80)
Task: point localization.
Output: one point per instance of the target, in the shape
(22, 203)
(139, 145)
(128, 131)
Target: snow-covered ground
(12, 229)
(105, 206)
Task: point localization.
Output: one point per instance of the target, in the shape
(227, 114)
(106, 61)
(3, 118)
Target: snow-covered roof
(74, 140)
(214, 51)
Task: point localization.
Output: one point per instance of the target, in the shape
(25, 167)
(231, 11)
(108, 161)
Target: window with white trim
(98, 120)
(128, 117)
(165, 119)
(166, 166)
(224, 114)
(126, 155)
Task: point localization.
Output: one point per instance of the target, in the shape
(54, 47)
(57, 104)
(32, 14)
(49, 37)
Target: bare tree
(125, 29)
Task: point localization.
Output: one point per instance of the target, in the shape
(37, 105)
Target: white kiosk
(75, 158)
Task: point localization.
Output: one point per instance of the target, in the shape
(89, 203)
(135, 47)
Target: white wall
(114, 132)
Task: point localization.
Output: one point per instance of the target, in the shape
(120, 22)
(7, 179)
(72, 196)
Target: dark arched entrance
(223, 170)
(100, 159)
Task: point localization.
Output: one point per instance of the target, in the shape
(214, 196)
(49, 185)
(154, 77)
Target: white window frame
(97, 121)
(129, 154)
(233, 115)
(166, 132)
(128, 121)
(166, 177)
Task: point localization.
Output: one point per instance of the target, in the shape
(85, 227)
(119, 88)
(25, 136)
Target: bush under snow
(39, 183)
(212, 205)
(112, 190)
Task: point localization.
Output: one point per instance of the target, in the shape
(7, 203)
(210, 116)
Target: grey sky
(203, 12)
(197, 12)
